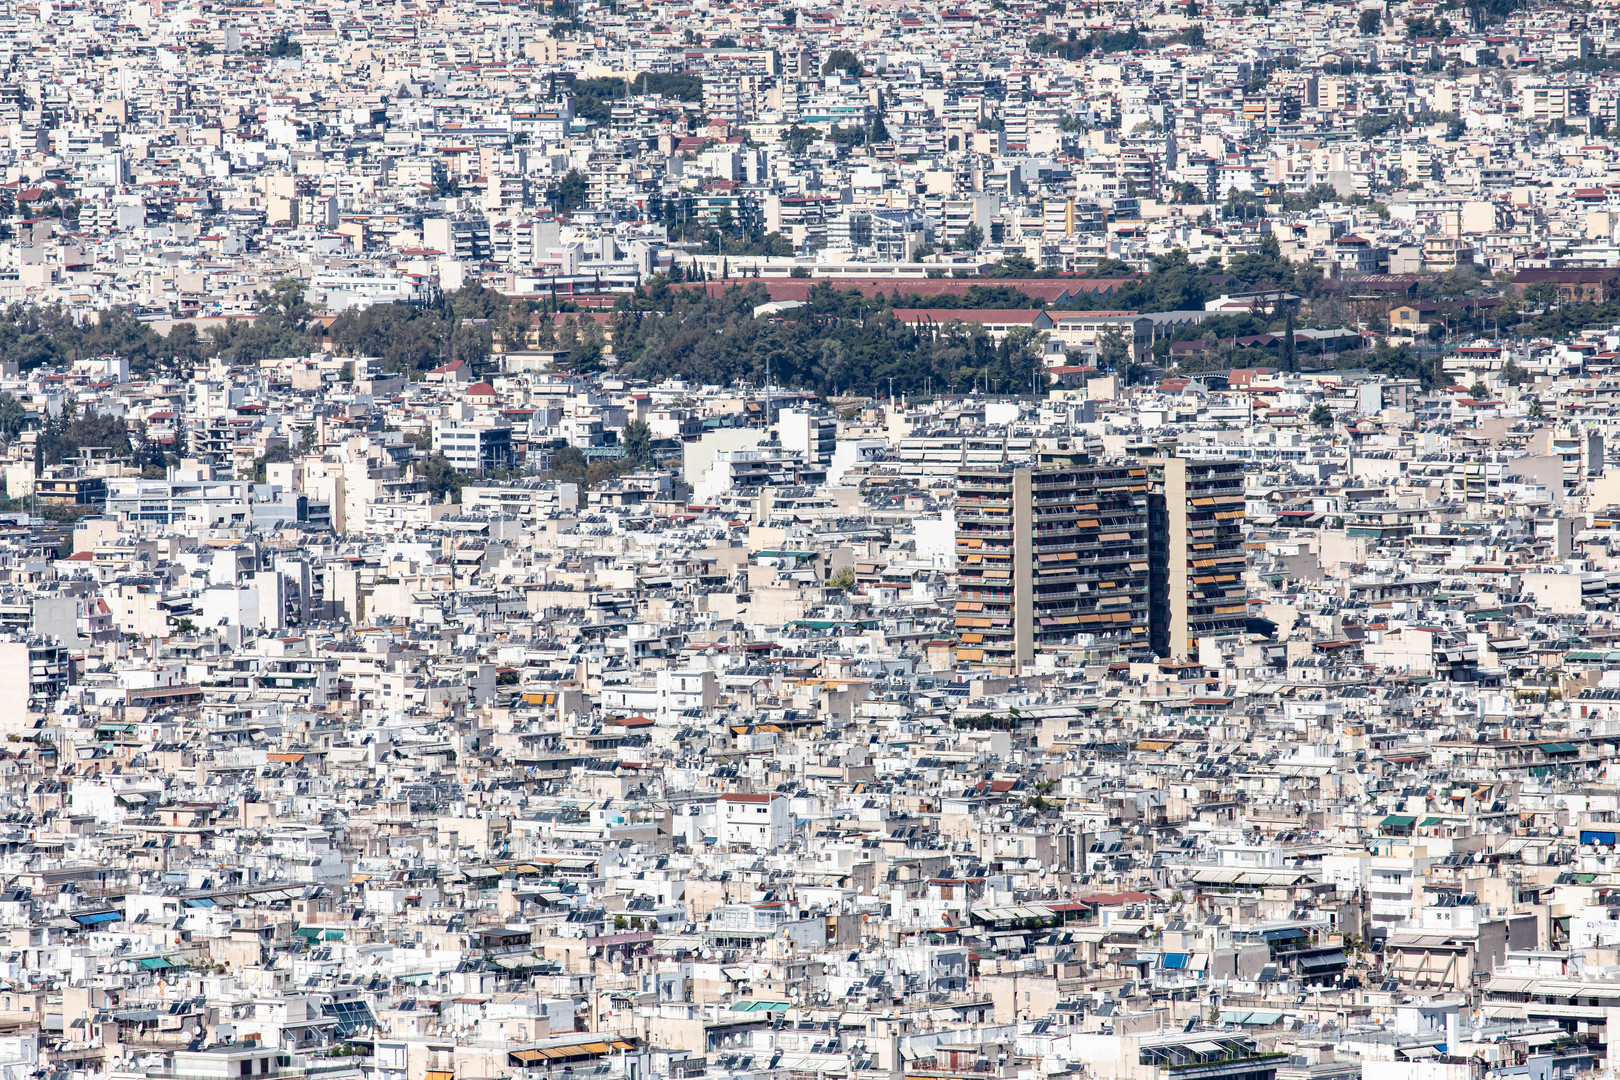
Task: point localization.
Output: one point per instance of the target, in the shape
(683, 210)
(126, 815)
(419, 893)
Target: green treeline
(838, 342)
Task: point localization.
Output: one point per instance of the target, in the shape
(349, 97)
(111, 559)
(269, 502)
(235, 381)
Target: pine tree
(1288, 343)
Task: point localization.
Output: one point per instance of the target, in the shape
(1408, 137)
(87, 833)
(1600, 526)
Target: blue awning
(98, 918)
(1176, 960)
(1592, 836)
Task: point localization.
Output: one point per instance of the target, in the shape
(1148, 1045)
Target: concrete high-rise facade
(1196, 585)
(1052, 554)
(1126, 559)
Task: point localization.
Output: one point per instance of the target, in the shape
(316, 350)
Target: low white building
(754, 820)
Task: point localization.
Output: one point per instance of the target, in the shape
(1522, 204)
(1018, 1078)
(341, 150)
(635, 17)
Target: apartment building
(1196, 553)
(1050, 555)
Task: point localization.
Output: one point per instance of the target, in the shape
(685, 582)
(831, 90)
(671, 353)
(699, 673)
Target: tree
(842, 579)
(1537, 411)
(1541, 294)
(1186, 194)
(13, 416)
(283, 45)
(798, 139)
(842, 60)
(1308, 279)
(1369, 22)
(272, 456)
(571, 193)
(970, 239)
(284, 300)
(470, 342)
(440, 478)
(185, 348)
(638, 442)
(1112, 352)
(1321, 415)
(475, 301)
(568, 465)
(1014, 266)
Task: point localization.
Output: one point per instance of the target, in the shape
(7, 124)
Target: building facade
(1196, 553)
(1053, 554)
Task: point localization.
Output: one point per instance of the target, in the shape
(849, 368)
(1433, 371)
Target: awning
(98, 918)
(1323, 960)
(155, 963)
(1254, 1018)
(1175, 960)
(1398, 821)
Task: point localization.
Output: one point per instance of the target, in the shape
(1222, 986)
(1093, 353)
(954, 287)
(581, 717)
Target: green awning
(155, 963)
(1426, 822)
(1398, 821)
(1557, 748)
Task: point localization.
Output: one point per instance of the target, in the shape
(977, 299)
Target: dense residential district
(810, 540)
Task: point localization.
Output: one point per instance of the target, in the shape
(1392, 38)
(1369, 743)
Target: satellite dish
(196, 1029)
